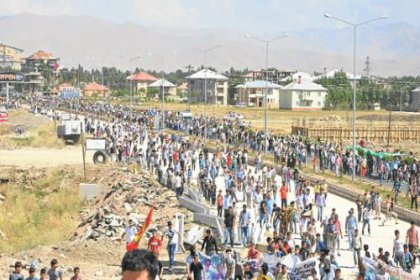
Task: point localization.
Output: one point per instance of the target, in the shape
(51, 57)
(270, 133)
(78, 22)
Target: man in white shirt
(173, 237)
(398, 249)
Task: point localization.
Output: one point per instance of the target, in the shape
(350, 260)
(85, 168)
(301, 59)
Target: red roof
(60, 87)
(41, 55)
(94, 86)
(142, 76)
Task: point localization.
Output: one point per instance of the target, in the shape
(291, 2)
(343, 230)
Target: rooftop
(9, 46)
(160, 83)
(206, 74)
(304, 85)
(258, 84)
(94, 86)
(41, 55)
(142, 76)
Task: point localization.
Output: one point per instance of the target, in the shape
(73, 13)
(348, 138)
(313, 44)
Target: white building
(170, 88)
(295, 76)
(302, 94)
(217, 87)
(252, 94)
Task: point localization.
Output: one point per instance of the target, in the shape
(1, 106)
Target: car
(241, 105)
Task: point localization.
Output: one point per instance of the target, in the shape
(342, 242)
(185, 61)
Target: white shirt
(172, 235)
(398, 246)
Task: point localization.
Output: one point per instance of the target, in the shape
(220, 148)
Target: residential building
(183, 89)
(169, 88)
(253, 93)
(95, 90)
(41, 61)
(302, 94)
(140, 81)
(10, 57)
(295, 76)
(415, 105)
(273, 75)
(217, 87)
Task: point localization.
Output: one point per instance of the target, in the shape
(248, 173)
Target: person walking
(356, 246)
(351, 226)
(173, 237)
(283, 195)
(229, 224)
(220, 204)
(412, 239)
(367, 217)
(414, 192)
(196, 271)
(398, 249)
(320, 204)
(244, 222)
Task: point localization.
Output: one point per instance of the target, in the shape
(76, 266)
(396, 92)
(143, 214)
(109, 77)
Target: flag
(136, 240)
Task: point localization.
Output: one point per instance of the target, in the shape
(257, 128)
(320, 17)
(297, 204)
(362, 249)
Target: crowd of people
(253, 201)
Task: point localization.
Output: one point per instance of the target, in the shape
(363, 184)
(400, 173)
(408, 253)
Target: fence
(377, 134)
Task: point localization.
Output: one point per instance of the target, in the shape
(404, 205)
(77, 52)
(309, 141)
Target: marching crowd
(254, 201)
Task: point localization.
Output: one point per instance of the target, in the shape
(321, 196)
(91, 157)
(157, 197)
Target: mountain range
(394, 49)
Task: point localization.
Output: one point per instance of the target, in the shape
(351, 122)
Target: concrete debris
(129, 196)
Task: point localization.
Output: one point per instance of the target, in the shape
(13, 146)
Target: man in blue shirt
(244, 222)
(351, 226)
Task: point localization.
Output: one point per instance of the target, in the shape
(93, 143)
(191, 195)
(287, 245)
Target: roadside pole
(83, 150)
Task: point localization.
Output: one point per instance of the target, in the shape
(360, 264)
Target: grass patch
(42, 214)
(42, 136)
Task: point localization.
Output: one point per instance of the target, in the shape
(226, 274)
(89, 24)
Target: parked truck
(69, 130)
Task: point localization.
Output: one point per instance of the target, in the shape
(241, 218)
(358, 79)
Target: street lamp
(131, 79)
(205, 51)
(354, 25)
(267, 42)
(162, 83)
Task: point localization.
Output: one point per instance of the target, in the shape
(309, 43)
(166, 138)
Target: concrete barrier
(195, 195)
(192, 205)
(210, 221)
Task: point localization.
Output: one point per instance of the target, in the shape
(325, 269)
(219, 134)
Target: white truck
(69, 130)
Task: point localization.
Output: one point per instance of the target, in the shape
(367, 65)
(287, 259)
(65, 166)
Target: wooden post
(83, 150)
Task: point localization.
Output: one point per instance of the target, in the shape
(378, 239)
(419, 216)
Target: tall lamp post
(162, 84)
(354, 25)
(131, 79)
(205, 51)
(267, 42)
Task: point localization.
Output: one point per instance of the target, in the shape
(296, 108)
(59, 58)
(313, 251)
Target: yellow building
(10, 57)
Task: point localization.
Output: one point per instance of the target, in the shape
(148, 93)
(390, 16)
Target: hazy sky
(245, 15)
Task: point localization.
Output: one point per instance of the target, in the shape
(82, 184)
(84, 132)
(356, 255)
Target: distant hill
(394, 49)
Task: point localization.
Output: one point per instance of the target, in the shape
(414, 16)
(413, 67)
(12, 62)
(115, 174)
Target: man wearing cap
(173, 237)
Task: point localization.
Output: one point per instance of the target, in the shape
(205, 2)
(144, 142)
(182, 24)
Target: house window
(319, 103)
(319, 94)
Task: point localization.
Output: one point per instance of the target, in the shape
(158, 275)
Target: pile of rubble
(129, 196)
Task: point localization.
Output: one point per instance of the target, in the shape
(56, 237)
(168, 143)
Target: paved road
(381, 236)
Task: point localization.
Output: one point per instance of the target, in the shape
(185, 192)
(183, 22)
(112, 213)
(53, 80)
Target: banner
(302, 270)
(395, 273)
(297, 269)
(214, 266)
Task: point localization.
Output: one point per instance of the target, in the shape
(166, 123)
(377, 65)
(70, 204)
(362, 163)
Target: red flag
(135, 243)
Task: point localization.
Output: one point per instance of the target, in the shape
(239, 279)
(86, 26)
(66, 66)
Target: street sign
(10, 77)
(95, 144)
